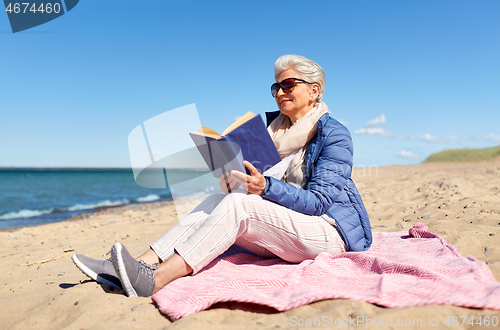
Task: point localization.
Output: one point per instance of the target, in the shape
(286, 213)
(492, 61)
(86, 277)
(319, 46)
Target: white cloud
(491, 137)
(373, 131)
(407, 154)
(425, 137)
(377, 121)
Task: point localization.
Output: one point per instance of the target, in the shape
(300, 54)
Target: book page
(238, 122)
(205, 131)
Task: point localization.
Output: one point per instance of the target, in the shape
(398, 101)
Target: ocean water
(33, 197)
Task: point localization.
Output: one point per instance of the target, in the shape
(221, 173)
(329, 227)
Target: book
(246, 139)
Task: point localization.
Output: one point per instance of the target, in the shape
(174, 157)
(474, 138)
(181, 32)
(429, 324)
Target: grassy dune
(464, 155)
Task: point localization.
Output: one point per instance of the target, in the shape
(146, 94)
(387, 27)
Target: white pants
(251, 222)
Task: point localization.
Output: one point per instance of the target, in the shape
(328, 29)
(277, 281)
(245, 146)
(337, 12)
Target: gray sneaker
(137, 277)
(101, 271)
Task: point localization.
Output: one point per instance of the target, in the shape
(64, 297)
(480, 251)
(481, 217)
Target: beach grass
(464, 155)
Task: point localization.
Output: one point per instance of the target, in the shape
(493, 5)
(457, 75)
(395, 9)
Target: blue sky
(407, 78)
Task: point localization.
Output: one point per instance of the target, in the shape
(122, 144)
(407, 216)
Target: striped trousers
(265, 228)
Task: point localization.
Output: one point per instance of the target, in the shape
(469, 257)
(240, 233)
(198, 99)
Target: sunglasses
(286, 85)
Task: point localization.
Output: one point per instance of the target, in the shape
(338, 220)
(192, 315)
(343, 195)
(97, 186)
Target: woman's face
(297, 103)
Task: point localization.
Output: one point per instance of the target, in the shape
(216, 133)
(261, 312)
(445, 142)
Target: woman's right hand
(227, 183)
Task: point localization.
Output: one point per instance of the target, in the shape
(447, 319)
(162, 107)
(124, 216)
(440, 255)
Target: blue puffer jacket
(329, 188)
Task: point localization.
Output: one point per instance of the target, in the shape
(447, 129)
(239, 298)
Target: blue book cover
(246, 139)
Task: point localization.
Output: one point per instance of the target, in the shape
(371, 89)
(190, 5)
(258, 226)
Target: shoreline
(118, 209)
(53, 195)
(82, 214)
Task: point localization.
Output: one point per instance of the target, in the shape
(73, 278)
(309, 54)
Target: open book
(246, 139)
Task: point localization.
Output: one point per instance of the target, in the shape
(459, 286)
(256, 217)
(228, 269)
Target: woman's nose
(280, 92)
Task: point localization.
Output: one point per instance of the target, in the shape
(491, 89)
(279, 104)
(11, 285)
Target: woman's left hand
(255, 183)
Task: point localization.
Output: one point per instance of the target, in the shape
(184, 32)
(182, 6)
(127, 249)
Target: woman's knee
(240, 205)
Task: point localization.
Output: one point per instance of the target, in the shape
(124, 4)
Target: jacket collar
(270, 116)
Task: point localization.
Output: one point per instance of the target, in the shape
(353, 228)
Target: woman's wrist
(266, 187)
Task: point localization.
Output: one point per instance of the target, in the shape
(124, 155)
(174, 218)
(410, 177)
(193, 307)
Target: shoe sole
(90, 273)
(116, 255)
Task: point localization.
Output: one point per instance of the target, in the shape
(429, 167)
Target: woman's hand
(227, 183)
(255, 183)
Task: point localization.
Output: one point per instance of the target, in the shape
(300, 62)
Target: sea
(30, 197)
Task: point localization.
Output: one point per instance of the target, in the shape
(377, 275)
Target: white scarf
(291, 142)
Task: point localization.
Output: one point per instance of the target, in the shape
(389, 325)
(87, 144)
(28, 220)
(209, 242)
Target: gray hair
(307, 69)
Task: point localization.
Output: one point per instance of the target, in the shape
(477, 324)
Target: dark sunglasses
(286, 85)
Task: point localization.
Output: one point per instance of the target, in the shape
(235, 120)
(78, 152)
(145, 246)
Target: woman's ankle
(150, 257)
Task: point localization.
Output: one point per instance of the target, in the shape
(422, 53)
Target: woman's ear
(315, 88)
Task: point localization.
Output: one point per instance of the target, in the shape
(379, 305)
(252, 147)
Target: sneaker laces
(147, 269)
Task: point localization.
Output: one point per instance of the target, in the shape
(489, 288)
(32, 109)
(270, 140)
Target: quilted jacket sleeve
(328, 174)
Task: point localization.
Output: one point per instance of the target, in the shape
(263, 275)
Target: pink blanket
(399, 270)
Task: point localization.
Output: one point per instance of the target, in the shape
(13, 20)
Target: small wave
(80, 207)
(25, 214)
(74, 208)
(148, 198)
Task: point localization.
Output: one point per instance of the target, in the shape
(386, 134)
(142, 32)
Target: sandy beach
(42, 289)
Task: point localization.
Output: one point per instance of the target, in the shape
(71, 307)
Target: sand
(40, 287)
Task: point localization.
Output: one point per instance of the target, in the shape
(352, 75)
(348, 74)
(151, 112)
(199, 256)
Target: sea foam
(76, 207)
(148, 198)
(25, 214)
(79, 207)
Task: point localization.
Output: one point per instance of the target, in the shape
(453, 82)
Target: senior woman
(311, 207)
